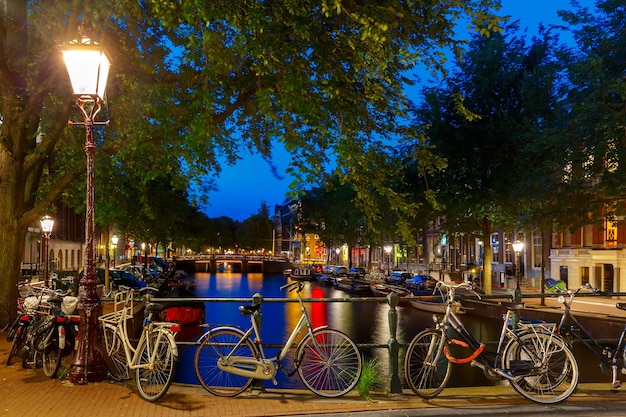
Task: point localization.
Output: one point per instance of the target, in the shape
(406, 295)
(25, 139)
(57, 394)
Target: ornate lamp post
(114, 240)
(388, 252)
(47, 224)
(517, 294)
(88, 68)
(518, 247)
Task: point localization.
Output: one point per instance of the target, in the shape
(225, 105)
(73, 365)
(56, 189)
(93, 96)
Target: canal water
(365, 322)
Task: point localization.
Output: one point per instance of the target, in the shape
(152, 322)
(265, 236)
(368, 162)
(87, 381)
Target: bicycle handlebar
(293, 286)
(453, 287)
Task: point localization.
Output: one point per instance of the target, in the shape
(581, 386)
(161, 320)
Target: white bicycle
(155, 357)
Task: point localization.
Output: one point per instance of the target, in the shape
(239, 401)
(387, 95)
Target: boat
(380, 289)
(434, 306)
(184, 312)
(301, 274)
(352, 285)
(180, 279)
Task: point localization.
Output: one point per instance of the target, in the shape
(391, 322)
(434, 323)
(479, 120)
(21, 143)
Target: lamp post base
(88, 365)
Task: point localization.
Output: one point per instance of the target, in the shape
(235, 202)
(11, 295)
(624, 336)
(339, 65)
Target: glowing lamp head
(47, 223)
(87, 65)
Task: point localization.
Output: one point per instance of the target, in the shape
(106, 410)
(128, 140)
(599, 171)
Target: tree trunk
(12, 232)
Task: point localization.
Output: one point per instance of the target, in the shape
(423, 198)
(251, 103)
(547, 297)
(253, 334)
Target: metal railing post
(257, 316)
(394, 347)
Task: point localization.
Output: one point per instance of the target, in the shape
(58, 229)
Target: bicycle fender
(321, 327)
(172, 342)
(214, 329)
(61, 330)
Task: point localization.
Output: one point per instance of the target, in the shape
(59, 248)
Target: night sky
(244, 186)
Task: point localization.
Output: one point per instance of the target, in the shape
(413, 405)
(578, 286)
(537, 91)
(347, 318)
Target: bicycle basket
(31, 303)
(69, 304)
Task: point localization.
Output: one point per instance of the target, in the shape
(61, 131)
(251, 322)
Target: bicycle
(156, 355)
(532, 357)
(570, 327)
(28, 314)
(229, 358)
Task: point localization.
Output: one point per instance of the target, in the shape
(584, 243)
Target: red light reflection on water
(319, 310)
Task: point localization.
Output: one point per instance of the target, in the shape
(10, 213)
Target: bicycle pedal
(506, 374)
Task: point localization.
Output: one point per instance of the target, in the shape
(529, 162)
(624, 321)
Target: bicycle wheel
(13, 328)
(329, 363)
(212, 351)
(18, 343)
(426, 367)
(5, 318)
(155, 378)
(546, 367)
(51, 359)
(114, 355)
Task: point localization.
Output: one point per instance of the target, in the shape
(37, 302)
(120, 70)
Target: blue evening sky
(244, 186)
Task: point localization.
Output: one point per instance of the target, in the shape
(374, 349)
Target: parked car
(421, 282)
(118, 277)
(357, 272)
(328, 269)
(398, 277)
(340, 270)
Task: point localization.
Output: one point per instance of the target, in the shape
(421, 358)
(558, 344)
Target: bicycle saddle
(247, 310)
(54, 299)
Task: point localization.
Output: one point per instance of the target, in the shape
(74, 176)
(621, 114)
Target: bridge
(232, 262)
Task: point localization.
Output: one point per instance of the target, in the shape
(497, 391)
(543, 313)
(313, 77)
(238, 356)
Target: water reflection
(365, 323)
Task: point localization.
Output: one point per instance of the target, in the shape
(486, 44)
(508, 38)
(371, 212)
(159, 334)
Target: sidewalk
(29, 393)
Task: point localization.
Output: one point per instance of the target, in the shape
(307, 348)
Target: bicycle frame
(571, 325)
(266, 368)
(481, 356)
(118, 321)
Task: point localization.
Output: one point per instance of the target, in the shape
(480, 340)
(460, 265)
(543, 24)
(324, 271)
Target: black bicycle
(611, 358)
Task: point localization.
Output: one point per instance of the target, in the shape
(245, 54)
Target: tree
(591, 125)
(195, 80)
(256, 231)
(480, 123)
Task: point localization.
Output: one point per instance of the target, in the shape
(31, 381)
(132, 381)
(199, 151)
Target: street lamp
(47, 223)
(88, 68)
(114, 240)
(517, 248)
(388, 252)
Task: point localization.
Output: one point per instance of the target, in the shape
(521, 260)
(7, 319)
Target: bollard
(394, 347)
(257, 299)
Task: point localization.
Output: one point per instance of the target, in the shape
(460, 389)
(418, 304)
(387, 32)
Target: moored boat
(183, 312)
(435, 306)
(380, 289)
(352, 285)
(301, 274)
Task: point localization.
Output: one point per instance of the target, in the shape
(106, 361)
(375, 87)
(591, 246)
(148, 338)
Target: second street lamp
(47, 224)
(88, 68)
(114, 240)
(388, 251)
